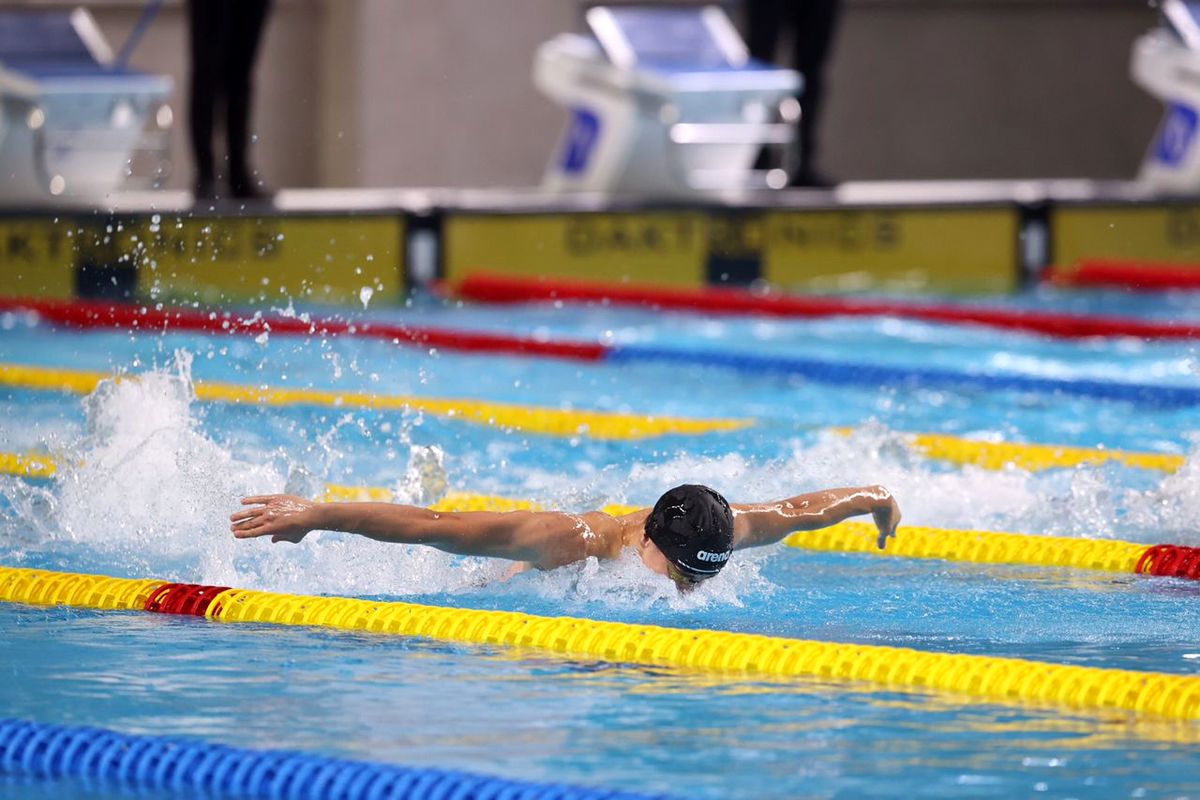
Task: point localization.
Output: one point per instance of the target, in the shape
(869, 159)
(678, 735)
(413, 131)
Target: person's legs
(245, 33)
(763, 19)
(815, 22)
(206, 41)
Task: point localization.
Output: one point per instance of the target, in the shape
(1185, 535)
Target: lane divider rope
(194, 768)
(985, 678)
(992, 547)
(28, 465)
(1135, 275)
(1171, 561)
(507, 289)
(88, 314)
(1034, 457)
(527, 419)
(869, 376)
(940, 447)
(982, 547)
(877, 376)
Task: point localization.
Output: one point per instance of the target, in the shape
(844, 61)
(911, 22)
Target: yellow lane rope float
(527, 419)
(27, 465)
(597, 424)
(986, 678)
(978, 547)
(1033, 457)
(1028, 456)
(988, 455)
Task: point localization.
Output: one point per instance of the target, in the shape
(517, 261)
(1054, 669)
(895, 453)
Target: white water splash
(144, 480)
(1087, 501)
(1172, 508)
(145, 488)
(968, 497)
(626, 583)
(425, 481)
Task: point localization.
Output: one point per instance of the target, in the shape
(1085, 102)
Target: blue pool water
(157, 473)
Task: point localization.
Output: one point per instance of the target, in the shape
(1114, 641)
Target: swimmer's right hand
(283, 517)
(887, 516)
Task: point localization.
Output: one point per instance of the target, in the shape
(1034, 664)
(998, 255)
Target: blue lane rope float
(192, 768)
(874, 376)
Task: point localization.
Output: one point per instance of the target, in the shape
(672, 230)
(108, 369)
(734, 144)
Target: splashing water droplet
(426, 480)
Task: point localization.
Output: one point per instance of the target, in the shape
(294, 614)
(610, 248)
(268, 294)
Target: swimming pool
(148, 475)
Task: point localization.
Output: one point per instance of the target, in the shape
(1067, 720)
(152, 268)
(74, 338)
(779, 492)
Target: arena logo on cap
(704, 555)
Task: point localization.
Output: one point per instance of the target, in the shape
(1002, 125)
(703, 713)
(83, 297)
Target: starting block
(1166, 63)
(663, 101)
(72, 117)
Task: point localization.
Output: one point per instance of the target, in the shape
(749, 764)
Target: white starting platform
(20, 136)
(1166, 63)
(72, 117)
(663, 102)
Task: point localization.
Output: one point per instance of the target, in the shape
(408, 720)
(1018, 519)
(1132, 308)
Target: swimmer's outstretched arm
(766, 523)
(545, 539)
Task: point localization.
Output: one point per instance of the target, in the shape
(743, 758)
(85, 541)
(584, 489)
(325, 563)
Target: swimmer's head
(692, 527)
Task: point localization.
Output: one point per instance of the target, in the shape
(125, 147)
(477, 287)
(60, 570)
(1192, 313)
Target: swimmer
(688, 536)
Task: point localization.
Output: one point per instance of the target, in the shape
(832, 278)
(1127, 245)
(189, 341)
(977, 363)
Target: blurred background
(438, 93)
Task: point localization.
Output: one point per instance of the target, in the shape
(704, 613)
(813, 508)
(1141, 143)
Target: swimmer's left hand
(887, 516)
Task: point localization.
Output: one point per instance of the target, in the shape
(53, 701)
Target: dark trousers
(224, 41)
(811, 25)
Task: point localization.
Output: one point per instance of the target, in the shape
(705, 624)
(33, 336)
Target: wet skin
(550, 539)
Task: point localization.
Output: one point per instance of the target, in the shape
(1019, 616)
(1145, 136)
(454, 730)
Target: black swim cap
(693, 527)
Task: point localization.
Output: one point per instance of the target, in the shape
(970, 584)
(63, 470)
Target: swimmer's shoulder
(626, 528)
(604, 535)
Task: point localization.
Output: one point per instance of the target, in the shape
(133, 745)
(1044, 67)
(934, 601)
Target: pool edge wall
(346, 249)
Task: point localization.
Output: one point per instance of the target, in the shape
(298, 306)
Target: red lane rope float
(1144, 275)
(183, 598)
(1170, 561)
(86, 314)
(497, 289)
